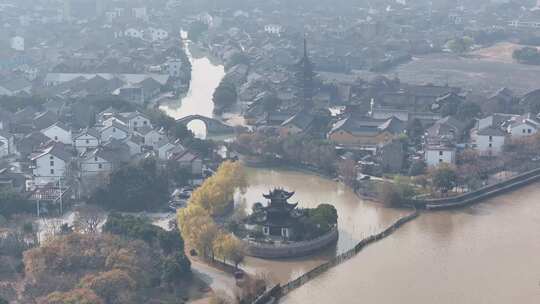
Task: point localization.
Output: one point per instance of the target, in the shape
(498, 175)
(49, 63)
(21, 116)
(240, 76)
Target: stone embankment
(279, 291)
(479, 195)
(292, 249)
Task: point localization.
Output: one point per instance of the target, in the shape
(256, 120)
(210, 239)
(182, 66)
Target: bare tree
(88, 219)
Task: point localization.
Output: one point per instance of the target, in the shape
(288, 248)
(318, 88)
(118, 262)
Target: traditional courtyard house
(151, 88)
(296, 124)
(448, 128)
(50, 164)
(132, 94)
(364, 133)
(89, 138)
(15, 87)
(439, 153)
(59, 132)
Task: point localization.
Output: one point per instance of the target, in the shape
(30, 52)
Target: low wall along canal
(281, 290)
(480, 194)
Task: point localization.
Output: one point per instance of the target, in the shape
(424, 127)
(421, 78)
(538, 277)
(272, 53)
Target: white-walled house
(522, 128)
(50, 164)
(135, 120)
(163, 149)
(436, 155)
(488, 141)
(114, 130)
(151, 136)
(87, 139)
(59, 132)
(96, 162)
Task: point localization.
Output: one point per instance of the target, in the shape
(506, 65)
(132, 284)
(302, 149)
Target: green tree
(444, 178)
(460, 45)
(134, 188)
(225, 94)
(415, 131)
(13, 203)
(418, 167)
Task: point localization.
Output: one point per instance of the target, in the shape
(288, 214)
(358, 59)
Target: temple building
(279, 217)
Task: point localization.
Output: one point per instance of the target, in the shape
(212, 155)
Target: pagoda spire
(305, 46)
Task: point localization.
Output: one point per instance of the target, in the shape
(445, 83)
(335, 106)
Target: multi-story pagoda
(279, 217)
(304, 78)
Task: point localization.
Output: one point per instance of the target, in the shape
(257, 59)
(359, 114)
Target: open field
(483, 71)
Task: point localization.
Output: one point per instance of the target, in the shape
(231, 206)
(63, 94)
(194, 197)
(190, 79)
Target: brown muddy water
(487, 253)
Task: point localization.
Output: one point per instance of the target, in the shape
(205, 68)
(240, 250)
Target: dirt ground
(500, 52)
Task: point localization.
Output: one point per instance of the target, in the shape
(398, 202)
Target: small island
(281, 230)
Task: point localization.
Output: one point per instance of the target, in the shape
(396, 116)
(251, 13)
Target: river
(486, 253)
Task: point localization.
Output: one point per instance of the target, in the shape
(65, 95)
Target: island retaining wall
(293, 249)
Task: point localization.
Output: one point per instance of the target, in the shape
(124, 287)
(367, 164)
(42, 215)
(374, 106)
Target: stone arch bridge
(213, 126)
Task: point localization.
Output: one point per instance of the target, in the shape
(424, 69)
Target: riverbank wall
(279, 291)
(293, 249)
(481, 194)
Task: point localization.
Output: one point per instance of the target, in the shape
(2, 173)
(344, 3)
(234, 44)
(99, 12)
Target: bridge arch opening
(198, 127)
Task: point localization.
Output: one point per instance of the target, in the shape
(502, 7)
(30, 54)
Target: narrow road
(215, 278)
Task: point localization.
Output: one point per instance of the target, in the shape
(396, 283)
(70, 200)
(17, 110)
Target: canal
(486, 253)
(206, 74)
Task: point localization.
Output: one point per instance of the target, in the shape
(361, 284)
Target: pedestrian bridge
(213, 126)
